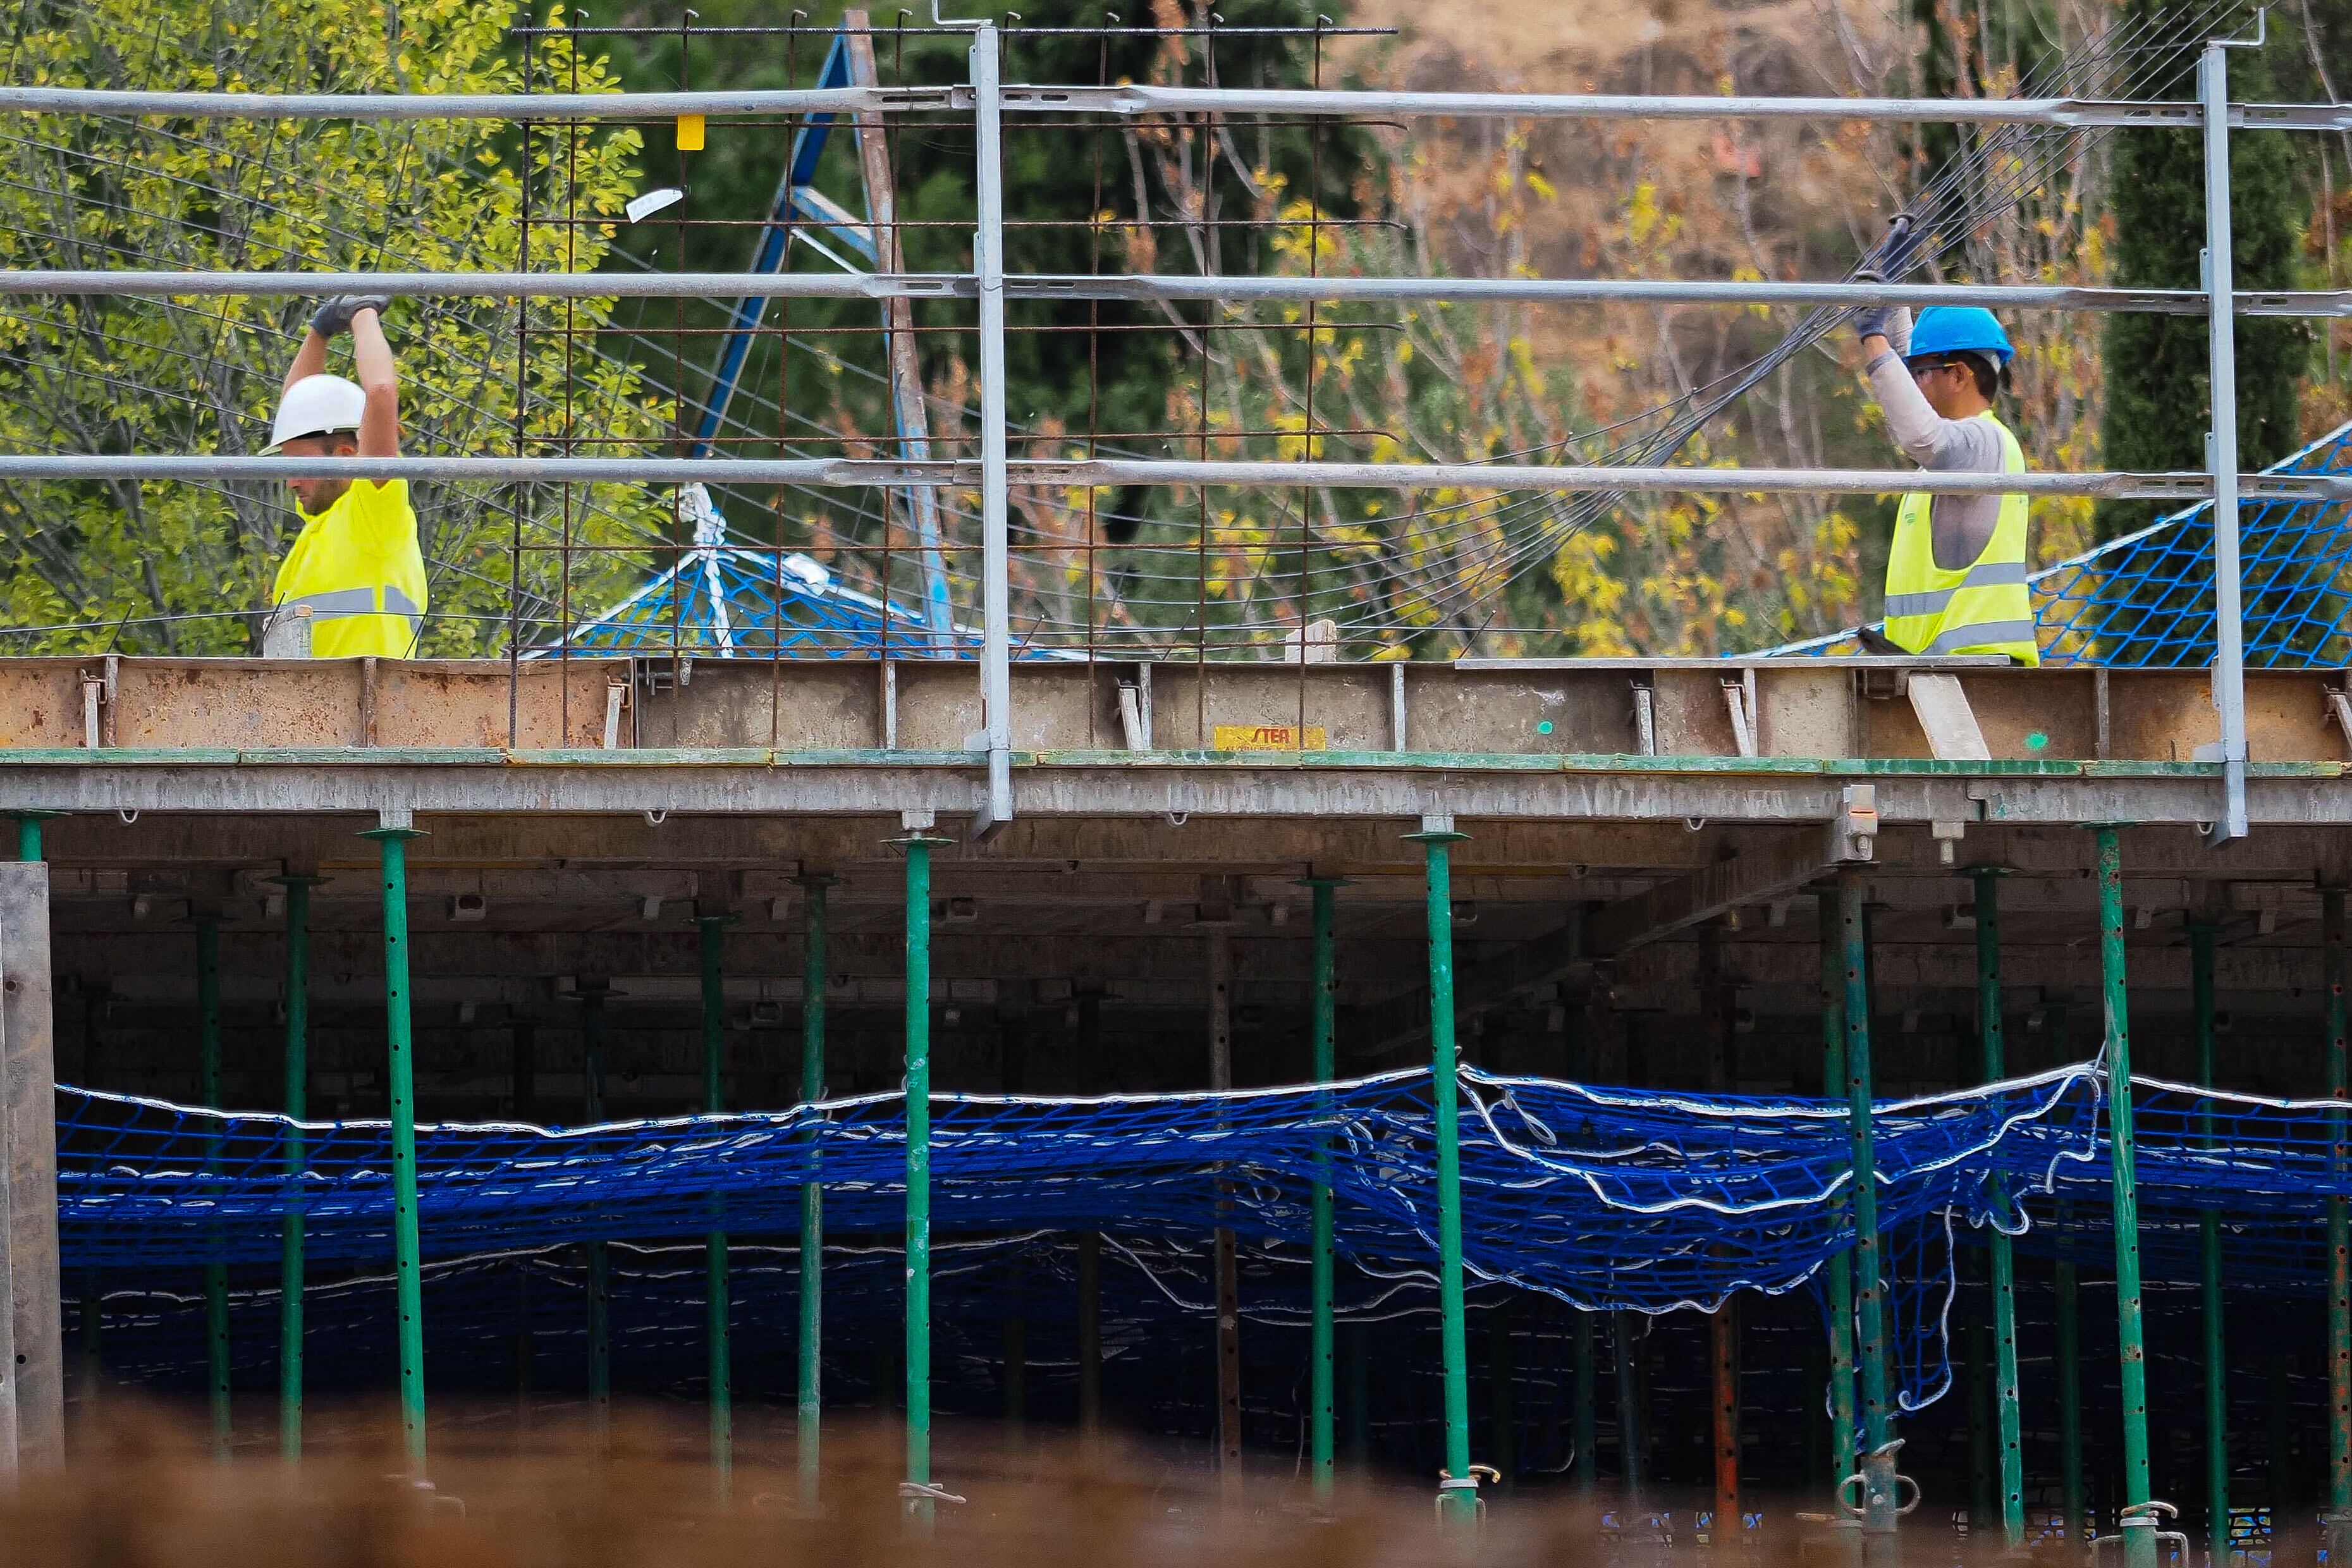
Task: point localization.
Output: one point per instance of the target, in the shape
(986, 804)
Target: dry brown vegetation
(143, 1491)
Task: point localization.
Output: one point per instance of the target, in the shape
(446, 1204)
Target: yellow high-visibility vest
(1982, 607)
(358, 567)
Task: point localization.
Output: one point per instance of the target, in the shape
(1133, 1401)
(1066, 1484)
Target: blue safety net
(1596, 1198)
(2146, 601)
(719, 599)
(1600, 1197)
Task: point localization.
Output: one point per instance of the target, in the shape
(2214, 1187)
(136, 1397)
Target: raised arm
(380, 379)
(311, 359)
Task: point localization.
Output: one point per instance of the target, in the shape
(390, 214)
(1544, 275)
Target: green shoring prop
(297, 1106)
(2137, 1520)
(208, 1094)
(2208, 1250)
(600, 1258)
(1878, 1479)
(401, 1086)
(715, 1295)
(1323, 998)
(1457, 1497)
(809, 1398)
(1995, 1067)
(2339, 1242)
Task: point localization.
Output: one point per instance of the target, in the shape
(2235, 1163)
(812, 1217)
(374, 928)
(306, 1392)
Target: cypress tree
(2158, 390)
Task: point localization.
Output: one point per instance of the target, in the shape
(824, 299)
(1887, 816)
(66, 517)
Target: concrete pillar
(32, 1375)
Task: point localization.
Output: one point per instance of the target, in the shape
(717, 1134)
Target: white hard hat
(317, 405)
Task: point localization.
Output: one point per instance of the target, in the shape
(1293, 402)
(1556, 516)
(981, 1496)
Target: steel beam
(1743, 880)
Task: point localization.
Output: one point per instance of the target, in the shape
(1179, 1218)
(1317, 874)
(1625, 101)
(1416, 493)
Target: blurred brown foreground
(145, 1489)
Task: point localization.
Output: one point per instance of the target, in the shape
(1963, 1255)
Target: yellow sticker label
(1267, 738)
(689, 133)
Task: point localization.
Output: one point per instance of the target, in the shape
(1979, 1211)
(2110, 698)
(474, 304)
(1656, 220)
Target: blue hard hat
(1959, 329)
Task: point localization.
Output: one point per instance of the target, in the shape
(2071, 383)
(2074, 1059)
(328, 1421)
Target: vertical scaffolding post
(391, 836)
(600, 1262)
(1995, 1064)
(290, 1267)
(1843, 1447)
(1719, 1005)
(28, 833)
(809, 1410)
(1879, 1443)
(2221, 441)
(2339, 1239)
(916, 1492)
(1457, 1496)
(1325, 998)
(1090, 1361)
(1089, 1335)
(1583, 1463)
(988, 262)
(208, 1094)
(2070, 1393)
(715, 1298)
(1218, 954)
(522, 1071)
(2208, 1249)
(1626, 1327)
(2137, 1520)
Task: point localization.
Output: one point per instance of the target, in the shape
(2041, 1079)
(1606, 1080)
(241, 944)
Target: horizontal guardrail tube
(1099, 473)
(1076, 286)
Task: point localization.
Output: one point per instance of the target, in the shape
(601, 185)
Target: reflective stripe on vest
(1985, 606)
(338, 604)
(1957, 639)
(1985, 574)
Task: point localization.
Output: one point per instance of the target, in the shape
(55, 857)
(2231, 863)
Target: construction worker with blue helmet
(1955, 576)
(357, 566)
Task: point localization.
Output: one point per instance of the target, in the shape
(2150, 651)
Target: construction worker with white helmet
(1956, 577)
(356, 566)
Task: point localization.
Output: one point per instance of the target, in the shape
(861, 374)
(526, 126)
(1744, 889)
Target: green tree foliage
(170, 567)
(1143, 568)
(2158, 389)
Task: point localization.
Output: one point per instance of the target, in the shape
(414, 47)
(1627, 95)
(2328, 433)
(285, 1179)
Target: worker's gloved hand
(334, 318)
(1892, 323)
(1898, 253)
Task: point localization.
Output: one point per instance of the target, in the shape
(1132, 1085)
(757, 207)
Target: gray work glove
(1898, 253)
(1892, 323)
(334, 318)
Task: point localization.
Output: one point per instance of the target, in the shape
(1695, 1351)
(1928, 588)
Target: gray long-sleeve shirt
(1960, 526)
